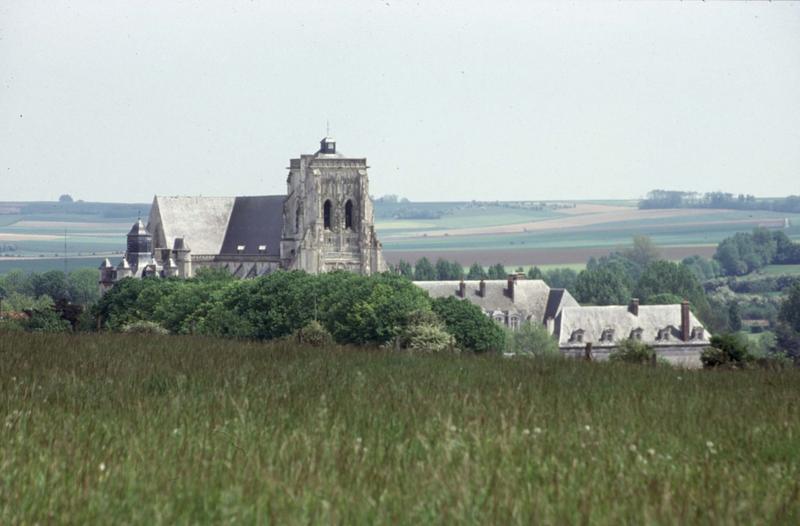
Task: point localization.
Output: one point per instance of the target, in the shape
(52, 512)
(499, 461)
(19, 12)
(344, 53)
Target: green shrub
(46, 320)
(313, 334)
(144, 327)
(7, 326)
(531, 338)
(727, 349)
(428, 337)
(471, 328)
(633, 351)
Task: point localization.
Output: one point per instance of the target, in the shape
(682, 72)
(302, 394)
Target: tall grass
(125, 428)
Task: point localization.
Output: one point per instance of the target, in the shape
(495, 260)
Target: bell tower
(328, 214)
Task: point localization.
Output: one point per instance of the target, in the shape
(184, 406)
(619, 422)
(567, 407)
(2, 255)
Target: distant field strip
(574, 221)
(533, 256)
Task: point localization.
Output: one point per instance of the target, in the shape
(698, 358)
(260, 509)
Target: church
(323, 223)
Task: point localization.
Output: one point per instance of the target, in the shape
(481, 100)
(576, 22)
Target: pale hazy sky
(448, 100)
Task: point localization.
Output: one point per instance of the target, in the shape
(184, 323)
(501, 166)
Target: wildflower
(632, 448)
(526, 432)
(587, 428)
(651, 452)
(102, 466)
(710, 444)
(537, 430)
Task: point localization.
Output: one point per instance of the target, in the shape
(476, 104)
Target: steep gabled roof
(255, 222)
(201, 221)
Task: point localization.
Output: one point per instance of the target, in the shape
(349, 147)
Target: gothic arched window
(297, 216)
(326, 215)
(348, 214)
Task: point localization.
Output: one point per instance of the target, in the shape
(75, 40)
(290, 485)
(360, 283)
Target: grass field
(162, 430)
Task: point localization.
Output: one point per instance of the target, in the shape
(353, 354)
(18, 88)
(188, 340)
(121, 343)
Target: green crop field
(511, 233)
(113, 429)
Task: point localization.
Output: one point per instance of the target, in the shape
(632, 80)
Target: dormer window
(576, 336)
(262, 248)
(607, 335)
(663, 334)
(698, 333)
(240, 248)
(636, 334)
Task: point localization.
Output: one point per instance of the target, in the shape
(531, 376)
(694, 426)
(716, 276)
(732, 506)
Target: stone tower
(328, 216)
(140, 246)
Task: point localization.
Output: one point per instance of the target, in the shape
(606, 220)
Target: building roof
(255, 222)
(557, 300)
(221, 225)
(530, 295)
(201, 221)
(138, 229)
(652, 318)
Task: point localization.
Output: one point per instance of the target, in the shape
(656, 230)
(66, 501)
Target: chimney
(462, 289)
(482, 290)
(510, 289)
(685, 329)
(633, 306)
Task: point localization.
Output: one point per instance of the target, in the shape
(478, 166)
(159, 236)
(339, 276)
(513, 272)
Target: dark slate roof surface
(255, 221)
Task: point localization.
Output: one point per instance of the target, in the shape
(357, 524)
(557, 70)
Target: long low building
(673, 330)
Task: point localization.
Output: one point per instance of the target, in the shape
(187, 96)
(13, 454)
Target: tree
(671, 278)
(404, 268)
(472, 329)
(497, 271)
(82, 286)
(532, 338)
(561, 278)
(602, 286)
(52, 283)
(447, 271)
(65, 198)
(424, 271)
(734, 316)
(456, 270)
(535, 273)
(726, 349)
(643, 252)
(476, 271)
(790, 309)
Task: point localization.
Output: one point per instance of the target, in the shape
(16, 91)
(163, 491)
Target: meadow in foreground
(134, 429)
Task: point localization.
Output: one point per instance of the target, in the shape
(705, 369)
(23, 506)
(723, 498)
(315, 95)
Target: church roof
(138, 229)
(255, 222)
(222, 225)
(201, 221)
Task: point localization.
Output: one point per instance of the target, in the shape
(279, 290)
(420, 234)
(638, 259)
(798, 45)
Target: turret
(140, 245)
(107, 276)
(183, 257)
(124, 269)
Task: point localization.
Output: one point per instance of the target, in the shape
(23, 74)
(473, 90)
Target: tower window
(326, 214)
(348, 215)
(297, 216)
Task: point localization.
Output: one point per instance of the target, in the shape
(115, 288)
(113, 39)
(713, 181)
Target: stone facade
(323, 223)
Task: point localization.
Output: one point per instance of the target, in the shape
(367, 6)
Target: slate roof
(201, 221)
(219, 225)
(530, 295)
(255, 221)
(558, 299)
(594, 320)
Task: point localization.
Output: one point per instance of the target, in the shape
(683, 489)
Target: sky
(448, 100)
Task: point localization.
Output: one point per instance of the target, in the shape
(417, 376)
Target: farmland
(549, 233)
(115, 428)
